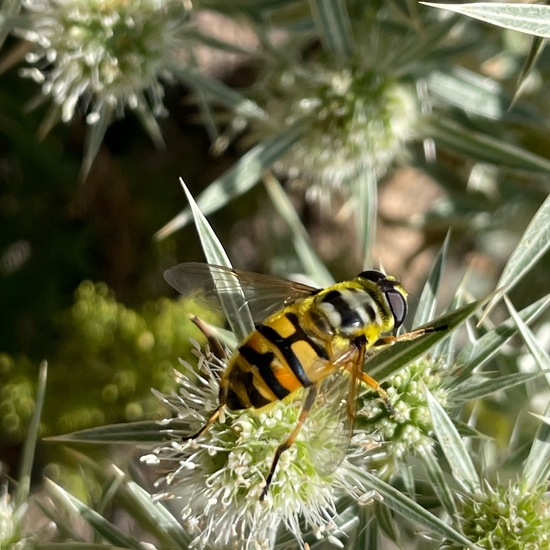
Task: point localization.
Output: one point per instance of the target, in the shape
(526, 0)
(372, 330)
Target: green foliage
(107, 359)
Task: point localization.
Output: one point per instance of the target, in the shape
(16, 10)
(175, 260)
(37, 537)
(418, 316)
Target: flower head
(220, 476)
(511, 517)
(360, 118)
(408, 427)
(103, 55)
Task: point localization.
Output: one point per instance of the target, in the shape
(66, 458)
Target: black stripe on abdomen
(284, 345)
(263, 361)
(243, 385)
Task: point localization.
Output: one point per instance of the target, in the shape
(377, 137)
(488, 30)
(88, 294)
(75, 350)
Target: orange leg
(306, 407)
(372, 383)
(213, 417)
(407, 336)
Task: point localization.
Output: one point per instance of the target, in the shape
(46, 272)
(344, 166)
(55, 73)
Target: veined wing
(205, 283)
(336, 402)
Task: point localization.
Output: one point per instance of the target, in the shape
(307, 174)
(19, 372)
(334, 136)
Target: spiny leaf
(29, 448)
(334, 27)
(534, 243)
(392, 358)
(128, 432)
(427, 302)
(100, 524)
(313, 266)
(482, 387)
(410, 510)
(528, 18)
(537, 466)
(483, 147)
(234, 303)
(241, 177)
(475, 355)
(456, 453)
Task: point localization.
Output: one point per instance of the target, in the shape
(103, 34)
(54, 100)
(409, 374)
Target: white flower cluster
(361, 119)
(103, 55)
(219, 477)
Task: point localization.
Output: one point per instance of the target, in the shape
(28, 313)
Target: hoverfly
(302, 337)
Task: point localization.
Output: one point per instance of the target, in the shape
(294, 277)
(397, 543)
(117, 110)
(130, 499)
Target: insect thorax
(347, 311)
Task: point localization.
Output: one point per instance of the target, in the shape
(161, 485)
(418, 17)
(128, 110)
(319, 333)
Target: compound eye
(372, 275)
(398, 306)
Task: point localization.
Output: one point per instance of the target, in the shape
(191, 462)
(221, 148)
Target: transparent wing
(334, 410)
(264, 294)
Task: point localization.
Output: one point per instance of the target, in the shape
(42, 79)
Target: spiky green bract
(361, 119)
(407, 428)
(102, 55)
(507, 517)
(218, 478)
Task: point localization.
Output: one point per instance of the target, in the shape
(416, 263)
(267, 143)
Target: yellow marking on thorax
(281, 324)
(372, 333)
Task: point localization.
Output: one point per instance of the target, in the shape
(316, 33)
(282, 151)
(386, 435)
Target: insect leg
(407, 336)
(216, 414)
(306, 407)
(219, 352)
(372, 383)
(213, 417)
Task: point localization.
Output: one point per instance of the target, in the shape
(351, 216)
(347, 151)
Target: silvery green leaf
(538, 353)
(483, 147)
(529, 66)
(449, 439)
(534, 243)
(475, 355)
(27, 459)
(537, 465)
(101, 525)
(334, 27)
(218, 91)
(428, 302)
(241, 177)
(311, 263)
(234, 303)
(147, 431)
(528, 18)
(365, 203)
(439, 484)
(410, 510)
(478, 95)
(478, 388)
(138, 502)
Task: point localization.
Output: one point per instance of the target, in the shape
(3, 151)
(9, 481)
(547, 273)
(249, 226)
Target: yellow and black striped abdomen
(273, 362)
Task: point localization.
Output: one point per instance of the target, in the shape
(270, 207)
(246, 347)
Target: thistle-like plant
(102, 58)
(393, 478)
(356, 88)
